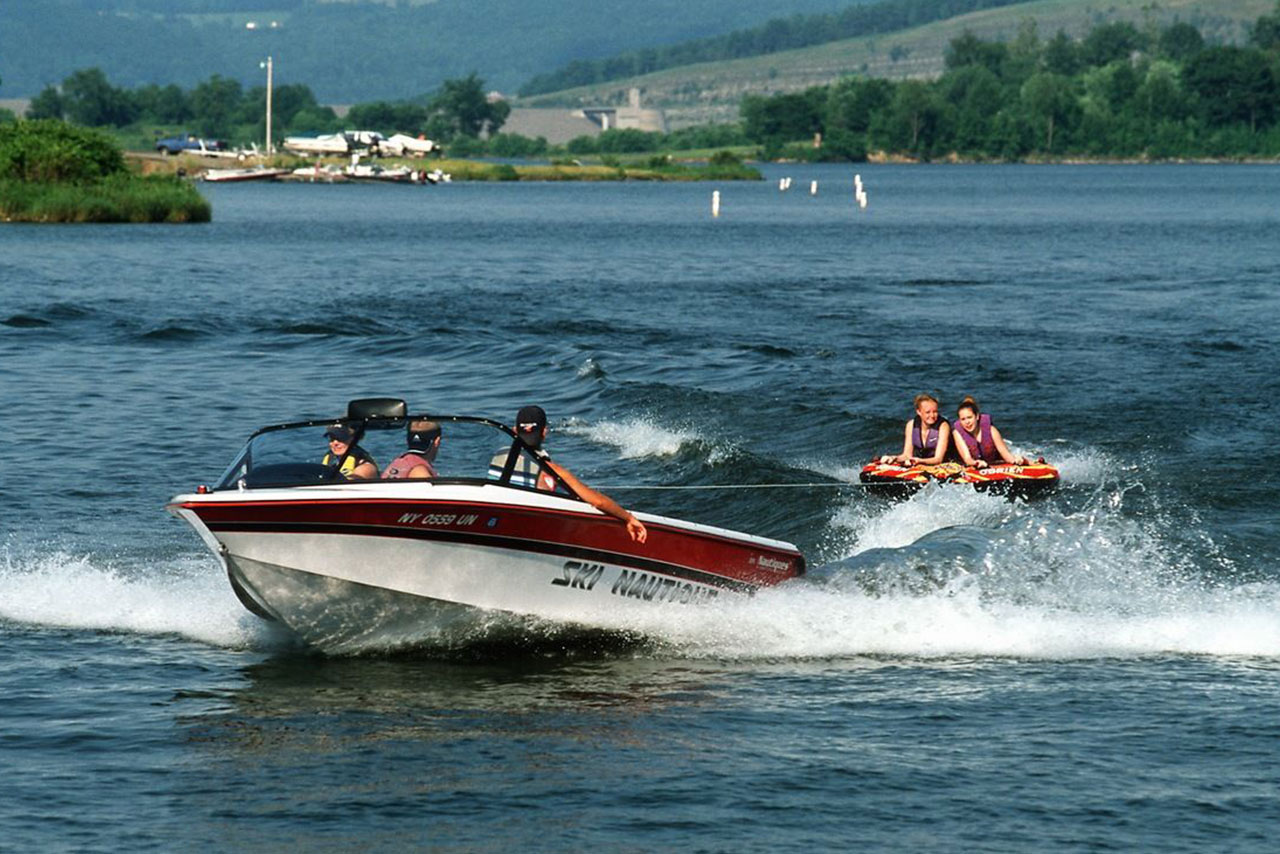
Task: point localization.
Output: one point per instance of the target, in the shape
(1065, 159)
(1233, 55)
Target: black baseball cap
(529, 421)
(427, 432)
(341, 432)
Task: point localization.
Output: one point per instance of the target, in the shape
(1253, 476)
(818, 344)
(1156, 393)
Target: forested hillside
(779, 34)
(711, 91)
(1120, 92)
(348, 51)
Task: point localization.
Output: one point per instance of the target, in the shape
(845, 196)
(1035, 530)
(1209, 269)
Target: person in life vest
(418, 462)
(977, 440)
(353, 461)
(926, 439)
(530, 465)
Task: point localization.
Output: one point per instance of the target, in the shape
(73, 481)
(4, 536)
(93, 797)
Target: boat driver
(531, 429)
(418, 462)
(355, 462)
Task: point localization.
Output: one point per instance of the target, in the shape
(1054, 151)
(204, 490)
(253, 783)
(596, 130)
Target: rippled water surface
(1096, 671)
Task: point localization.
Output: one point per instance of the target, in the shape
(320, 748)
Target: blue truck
(190, 143)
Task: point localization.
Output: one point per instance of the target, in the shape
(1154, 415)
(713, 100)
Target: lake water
(1096, 671)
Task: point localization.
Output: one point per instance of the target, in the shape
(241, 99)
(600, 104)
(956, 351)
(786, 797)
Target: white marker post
(813, 188)
(715, 203)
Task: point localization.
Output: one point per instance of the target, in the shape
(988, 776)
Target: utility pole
(267, 65)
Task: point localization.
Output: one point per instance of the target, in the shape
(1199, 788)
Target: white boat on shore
(251, 173)
(461, 557)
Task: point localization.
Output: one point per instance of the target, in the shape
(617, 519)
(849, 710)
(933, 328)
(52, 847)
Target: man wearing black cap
(355, 462)
(423, 439)
(531, 428)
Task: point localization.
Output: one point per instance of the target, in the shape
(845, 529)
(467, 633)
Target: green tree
(1266, 31)
(89, 99)
(968, 49)
(975, 95)
(47, 105)
(913, 117)
(1109, 42)
(852, 101)
(1179, 42)
(1062, 55)
(215, 105)
(314, 120)
(1160, 96)
(389, 117)
(166, 105)
(463, 109)
(1048, 97)
(1024, 53)
(783, 118)
(286, 102)
(1233, 85)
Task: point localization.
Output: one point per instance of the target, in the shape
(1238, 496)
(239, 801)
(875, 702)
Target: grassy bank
(51, 171)
(477, 170)
(647, 169)
(119, 198)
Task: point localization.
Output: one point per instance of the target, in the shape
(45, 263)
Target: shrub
(49, 150)
(582, 145)
(515, 145)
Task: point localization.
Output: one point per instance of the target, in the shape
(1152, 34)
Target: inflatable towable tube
(894, 480)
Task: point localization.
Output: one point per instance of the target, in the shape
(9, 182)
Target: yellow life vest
(355, 457)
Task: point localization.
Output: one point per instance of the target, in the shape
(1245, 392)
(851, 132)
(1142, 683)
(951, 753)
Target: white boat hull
(348, 569)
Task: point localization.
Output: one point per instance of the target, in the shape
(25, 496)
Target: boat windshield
(471, 449)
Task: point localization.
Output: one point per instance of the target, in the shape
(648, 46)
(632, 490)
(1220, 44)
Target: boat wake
(188, 598)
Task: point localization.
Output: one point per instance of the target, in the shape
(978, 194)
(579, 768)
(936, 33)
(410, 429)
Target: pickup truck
(189, 143)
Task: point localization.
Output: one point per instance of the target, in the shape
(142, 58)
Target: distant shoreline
(193, 166)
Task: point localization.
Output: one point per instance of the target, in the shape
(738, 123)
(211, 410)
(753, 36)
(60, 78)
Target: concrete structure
(18, 106)
(631, 116)
(559, 125)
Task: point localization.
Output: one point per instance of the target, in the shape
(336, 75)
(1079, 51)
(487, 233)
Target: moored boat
(456, 558)
(251, 173)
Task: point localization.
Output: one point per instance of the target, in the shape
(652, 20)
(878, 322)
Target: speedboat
(894, 480)
(251, 173)
(466, 555)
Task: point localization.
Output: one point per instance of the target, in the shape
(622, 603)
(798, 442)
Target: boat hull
(350, 573)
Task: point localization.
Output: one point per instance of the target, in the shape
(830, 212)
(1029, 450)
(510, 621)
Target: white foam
(881, 524)
(816, 621)
(639, 437)
(1086, 466)
(189, 598)
(590, 369)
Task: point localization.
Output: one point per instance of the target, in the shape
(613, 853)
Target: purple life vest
(929, 446)
(400, 467)
(983, 447)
